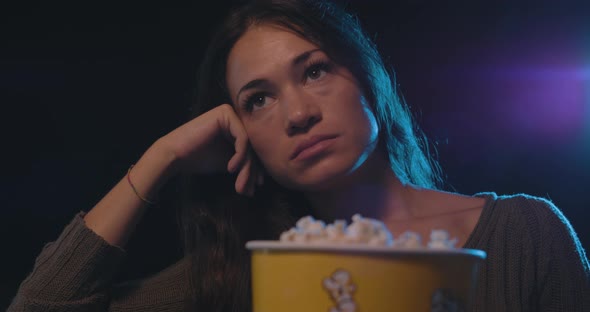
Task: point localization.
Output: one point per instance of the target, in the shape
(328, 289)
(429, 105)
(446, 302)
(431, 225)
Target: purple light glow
(543, 104)
(534, 91)
(544, 80)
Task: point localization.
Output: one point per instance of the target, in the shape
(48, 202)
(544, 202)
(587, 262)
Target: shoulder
(551, 240)
(535, 217)
(521, 218)
(529, 208)
(533, 229)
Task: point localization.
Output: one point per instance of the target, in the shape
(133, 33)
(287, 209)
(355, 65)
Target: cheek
(263, 143)
(359, 109)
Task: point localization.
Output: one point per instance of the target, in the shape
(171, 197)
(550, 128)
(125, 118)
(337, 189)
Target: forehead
(261, 49)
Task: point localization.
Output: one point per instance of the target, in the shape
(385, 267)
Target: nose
(302, 112)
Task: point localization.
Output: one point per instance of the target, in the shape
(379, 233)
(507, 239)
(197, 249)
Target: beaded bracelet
(145, 200)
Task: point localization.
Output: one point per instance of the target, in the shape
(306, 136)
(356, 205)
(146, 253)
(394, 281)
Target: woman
(296, 104)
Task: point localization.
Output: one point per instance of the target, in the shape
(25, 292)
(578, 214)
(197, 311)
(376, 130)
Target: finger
(233, 128)
(234, 162)
(241, 184)
(240, 155)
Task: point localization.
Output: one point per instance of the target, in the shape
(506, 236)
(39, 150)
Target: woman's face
(306, 117)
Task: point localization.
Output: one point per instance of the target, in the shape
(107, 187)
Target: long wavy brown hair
(214, 220)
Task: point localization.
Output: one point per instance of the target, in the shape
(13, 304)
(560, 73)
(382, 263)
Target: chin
(323, 176)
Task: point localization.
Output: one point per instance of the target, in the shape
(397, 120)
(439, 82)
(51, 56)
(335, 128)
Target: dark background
(502, 89)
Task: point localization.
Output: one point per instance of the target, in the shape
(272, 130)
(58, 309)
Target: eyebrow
(257, 83)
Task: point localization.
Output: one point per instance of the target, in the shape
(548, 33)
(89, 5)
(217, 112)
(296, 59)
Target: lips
(309, 142)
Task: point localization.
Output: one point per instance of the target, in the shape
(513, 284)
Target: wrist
(150, 202)
(153, 169)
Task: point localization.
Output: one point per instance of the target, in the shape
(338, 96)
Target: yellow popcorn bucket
(294, 277)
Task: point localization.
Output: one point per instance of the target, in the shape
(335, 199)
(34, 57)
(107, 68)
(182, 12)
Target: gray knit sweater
(535, 263)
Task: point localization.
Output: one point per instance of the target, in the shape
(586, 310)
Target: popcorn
(336, 232)
(408, 239)
(368, 231)
(362, 231)
(439, 239)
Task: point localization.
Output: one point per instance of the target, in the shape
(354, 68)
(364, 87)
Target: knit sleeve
(70, 274)
(77, 272)
(563, 270)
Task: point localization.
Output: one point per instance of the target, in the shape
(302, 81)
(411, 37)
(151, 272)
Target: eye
(315, 73)
(256, 101)
(317, 70)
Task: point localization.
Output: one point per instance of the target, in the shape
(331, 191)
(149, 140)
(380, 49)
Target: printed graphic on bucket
(341, 289)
